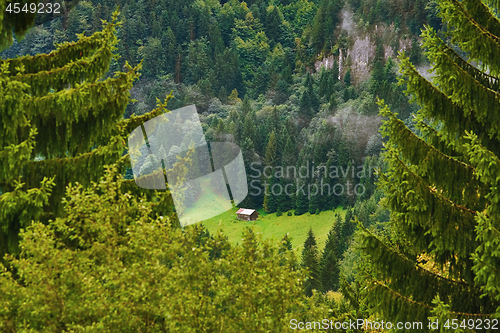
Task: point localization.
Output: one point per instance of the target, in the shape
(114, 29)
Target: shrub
(74, 270)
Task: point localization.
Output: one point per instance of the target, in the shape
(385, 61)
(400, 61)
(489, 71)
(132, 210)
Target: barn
(247, 214)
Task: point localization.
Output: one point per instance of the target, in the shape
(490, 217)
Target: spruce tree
(415, 52)
(334, 77)
(271, 156)
(346, 231)
(61, 122)
(325, 22)
(271, 203)
(250, 128)
(310, 262)
(273, 25)
(286, 242)
(324, 83)
(289, 153)
(301, 200)
(442, 185)
(246, 106)
(301, 194)
(329, 263)
(315, 199)
(309, 102)
(285, 200)
(347, 78)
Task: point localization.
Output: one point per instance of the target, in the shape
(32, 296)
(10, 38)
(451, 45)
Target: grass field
(209, 203)
(274, 227)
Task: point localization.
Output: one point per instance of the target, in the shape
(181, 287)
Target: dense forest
(253, 69)
(337, 92)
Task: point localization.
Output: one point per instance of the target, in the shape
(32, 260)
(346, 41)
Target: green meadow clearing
(275, 227)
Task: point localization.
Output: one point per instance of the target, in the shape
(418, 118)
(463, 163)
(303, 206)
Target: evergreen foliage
(415, 52)
(309, 102)
(272, 151)
(61, 122)
(301, 200)
(310, 262)
(346, 231)
(62, 116)
(325, 22)
(110, 264)
(347, 79)
(271, 200)
(329, 262)
(441, 186)
(13, 25)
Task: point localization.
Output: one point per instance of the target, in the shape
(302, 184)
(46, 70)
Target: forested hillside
(292, 83)
(385, 112)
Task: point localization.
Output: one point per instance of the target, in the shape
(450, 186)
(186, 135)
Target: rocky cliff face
(361, 46)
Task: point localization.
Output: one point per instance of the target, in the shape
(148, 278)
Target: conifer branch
(127, 125)
(482, 44)
(472, 22)
(483, 15)
(431, 188)
(64, 54)
(416, 266)
(409, 300)
(85, 69)
(436, 105)
(428, 158)
(432, 40)
(482, 93)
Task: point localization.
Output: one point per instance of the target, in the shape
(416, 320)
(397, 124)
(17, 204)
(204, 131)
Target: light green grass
(209, 203)
(274, 227)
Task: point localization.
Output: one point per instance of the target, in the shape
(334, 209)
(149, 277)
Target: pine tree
(309, 102)
(325, 87)
(171, 51)
(301, 200)
(315, 199)
(285, 200)
(273, 25)
(347, 78)
(346, 231)
(415, 52)
(61, 122)
(329, 263)
(271, 156)
(246, 106)
(442, 186)
(325, 22)
(271, 204)
(310, 262)
(289, 153)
